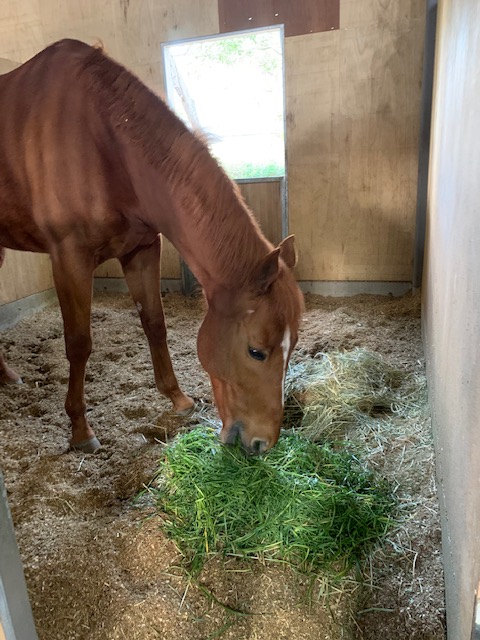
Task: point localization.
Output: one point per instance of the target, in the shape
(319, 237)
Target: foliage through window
(230, 88)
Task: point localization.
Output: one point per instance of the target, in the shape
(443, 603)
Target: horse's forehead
(269, 326)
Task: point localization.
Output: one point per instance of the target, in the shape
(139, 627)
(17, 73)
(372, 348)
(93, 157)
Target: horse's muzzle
(255, 447)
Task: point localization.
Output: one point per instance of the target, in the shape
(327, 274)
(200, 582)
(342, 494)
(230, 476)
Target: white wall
(452, 301)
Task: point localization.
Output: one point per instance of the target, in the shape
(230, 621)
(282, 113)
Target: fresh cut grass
(311, 506)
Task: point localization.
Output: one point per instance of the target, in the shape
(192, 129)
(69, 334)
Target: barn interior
(380, 190)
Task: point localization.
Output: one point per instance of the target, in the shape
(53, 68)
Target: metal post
(424, 147)
(16, 620)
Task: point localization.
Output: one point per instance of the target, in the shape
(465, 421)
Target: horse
(94, 165)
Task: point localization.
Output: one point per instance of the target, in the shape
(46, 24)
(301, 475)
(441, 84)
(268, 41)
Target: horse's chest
(124, 238)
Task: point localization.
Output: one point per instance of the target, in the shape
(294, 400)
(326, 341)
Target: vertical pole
(16, 620)
(424, 147)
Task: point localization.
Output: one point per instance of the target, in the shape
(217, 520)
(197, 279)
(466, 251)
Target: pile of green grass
(307, 505)
(328, 394)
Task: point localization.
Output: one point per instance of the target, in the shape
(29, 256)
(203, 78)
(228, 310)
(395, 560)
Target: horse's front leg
(73, 275)
(142, 273)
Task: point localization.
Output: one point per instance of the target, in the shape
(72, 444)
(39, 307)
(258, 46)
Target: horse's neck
(207, 220)
(188, 198)
(218, 240)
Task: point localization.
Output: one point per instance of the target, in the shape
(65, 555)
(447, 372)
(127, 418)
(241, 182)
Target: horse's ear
(267, 272)
(287, 251)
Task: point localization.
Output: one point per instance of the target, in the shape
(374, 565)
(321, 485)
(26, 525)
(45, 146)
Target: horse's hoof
(86, 446)
(187, 412)
(10, 380)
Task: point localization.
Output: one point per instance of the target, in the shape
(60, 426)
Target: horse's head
(245, 343)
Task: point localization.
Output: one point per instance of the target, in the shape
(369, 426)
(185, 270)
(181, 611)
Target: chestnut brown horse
(95, 166)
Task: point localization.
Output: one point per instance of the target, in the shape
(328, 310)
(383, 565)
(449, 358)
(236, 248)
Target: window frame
(224, 36)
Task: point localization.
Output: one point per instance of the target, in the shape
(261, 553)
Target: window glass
(230, 89)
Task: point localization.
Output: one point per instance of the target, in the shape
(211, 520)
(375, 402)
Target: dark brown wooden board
(299, 17)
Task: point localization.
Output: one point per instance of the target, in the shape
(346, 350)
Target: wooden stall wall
(24, 274)
(452, 302)
(353, 112)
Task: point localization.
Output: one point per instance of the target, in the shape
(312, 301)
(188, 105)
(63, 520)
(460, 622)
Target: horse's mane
(217, 212)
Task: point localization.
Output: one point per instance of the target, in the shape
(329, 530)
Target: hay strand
(332, 392)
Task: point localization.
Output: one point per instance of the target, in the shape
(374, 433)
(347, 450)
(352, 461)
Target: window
(230, 87)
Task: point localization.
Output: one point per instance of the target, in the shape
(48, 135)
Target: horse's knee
(155, 330)
(78, 347)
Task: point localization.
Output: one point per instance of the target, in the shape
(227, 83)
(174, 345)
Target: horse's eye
(256, 354)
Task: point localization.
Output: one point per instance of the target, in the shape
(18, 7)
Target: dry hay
(332, 392)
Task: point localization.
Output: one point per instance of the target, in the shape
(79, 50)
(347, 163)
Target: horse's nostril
(258, 446)
(234, 433)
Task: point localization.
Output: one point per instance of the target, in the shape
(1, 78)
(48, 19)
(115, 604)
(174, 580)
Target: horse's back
(34, 77)
(43, 86)
(53, 143)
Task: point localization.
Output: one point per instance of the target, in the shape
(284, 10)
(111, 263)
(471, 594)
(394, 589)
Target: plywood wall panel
(379, 125)
(401, 13)
(141, 27)
(381, 72)
(170, 261)
(265, 201)
(89, 20)
(109, 269)
(21, 34)
(170, 267)
(24, 274)
(74, 14)
(7, 65)
(313, 205)
(377, 233)
(312, 95)
(353, 114)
